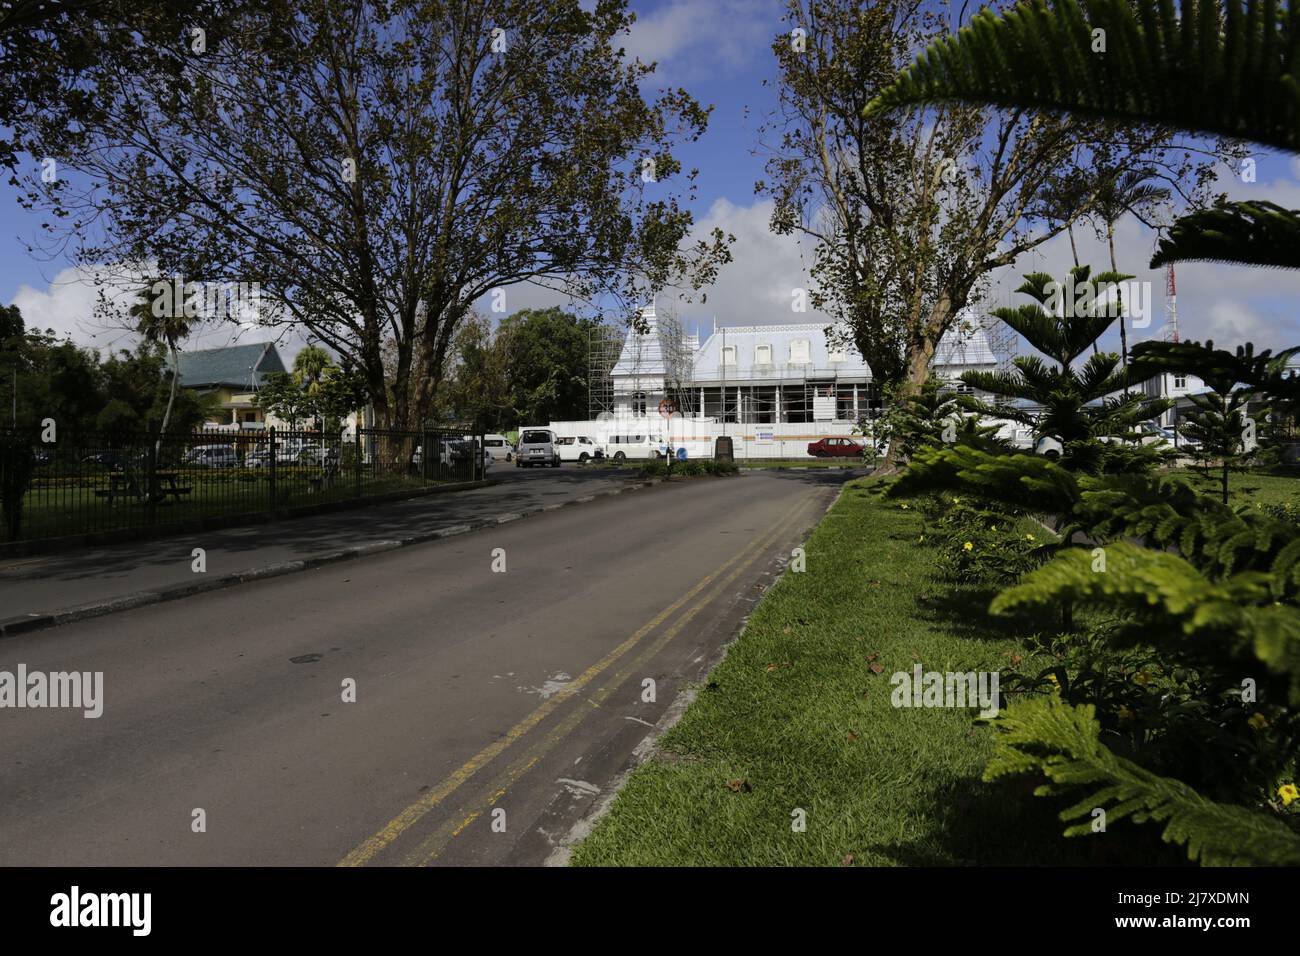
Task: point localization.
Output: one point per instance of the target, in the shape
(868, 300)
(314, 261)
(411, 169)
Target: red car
(835, 448)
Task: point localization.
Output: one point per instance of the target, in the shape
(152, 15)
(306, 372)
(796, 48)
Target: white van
(499, 447)
(634, 446)
(537, 447)
(577, 448)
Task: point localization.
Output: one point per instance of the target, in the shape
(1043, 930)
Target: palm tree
(1130, 192)
(309, 367)
(167, 326)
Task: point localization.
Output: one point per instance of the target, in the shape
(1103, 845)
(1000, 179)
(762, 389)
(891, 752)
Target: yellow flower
(956, 501)
(1288, 792)
(967, 546)
(994, 528)
(1258, 722)
(1029, 537)
(903, 505)
(1142, 677)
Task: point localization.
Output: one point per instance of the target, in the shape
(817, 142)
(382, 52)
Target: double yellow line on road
(376, 844)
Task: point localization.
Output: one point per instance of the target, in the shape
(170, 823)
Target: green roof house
(233, 374)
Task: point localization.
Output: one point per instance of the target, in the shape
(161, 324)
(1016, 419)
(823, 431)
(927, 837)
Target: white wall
(782, 440)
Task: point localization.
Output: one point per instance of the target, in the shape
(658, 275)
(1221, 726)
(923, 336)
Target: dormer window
(799, 352)
(762, 355)
(728, 355)
(838, 355)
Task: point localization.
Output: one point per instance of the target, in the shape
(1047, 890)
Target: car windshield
(535, 438)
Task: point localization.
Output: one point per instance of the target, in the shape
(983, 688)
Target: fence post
(356, 457)
(273, 456)
(426, 462)
(151, 480)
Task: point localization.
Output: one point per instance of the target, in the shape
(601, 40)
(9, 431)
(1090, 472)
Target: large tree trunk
(919, 358)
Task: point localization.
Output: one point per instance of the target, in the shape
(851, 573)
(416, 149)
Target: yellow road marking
(376, 843)
(437, 842)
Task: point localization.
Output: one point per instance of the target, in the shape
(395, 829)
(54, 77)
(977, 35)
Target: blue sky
(720, 50)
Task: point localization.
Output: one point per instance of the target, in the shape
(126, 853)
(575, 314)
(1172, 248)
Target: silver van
(537, 447)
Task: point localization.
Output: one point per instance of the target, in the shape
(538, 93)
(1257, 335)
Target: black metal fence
(94, 483)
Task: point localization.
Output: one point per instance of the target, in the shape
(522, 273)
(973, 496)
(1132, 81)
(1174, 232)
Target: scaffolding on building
(664, 346)
(604, 346)
(679, 351)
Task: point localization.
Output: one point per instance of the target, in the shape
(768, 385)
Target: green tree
(161, 320)
(544, 353)
(478, 390)
(136, 388)
(1235, 379)
(282, 396)
(909, 214)
(1080, 404)
(378, 167)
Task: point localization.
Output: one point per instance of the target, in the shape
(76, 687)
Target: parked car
(211, 456)
(261, 457)
(499, 447)
(579, 448)
(537, 446)
(444, 454)
(836, 448)
(624, 447)
(1048, 447)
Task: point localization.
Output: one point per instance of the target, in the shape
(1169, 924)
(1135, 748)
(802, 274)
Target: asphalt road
(493, 709)
(50, 582)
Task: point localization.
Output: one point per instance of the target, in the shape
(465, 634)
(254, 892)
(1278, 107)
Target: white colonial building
(765, 374)
(771, 388)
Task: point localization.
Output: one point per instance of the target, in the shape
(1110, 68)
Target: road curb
(39, 620)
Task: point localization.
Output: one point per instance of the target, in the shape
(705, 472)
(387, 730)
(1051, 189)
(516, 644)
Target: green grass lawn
(797, 717)
(1252, 487)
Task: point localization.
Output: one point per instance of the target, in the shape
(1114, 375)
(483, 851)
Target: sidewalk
(43, 590)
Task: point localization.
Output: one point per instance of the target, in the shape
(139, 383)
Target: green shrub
(977, 542)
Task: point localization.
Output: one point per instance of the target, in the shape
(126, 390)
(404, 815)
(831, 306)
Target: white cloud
(758, 286)
(71, 305)
(694, 39)
(1231, 304)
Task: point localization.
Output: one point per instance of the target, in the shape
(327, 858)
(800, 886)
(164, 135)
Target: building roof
(644, 356)
(822, 363)
(240, 366)
(643, 352)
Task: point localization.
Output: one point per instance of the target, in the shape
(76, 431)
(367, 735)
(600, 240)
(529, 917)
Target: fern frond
(1186, 71)
(1062, 742)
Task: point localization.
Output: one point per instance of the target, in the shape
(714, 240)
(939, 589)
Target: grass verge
(798, 717)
